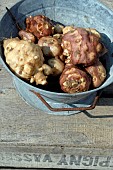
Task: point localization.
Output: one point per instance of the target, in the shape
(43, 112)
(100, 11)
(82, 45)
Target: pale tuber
(23, 57)
(67, 29)
(97, 72)
(50, 46)
(39, 78)
(57, 66)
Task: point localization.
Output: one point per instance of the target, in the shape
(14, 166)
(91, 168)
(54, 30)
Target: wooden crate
(30, 138)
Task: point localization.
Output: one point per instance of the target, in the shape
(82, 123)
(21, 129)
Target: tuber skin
(67, 29)
(58, 37)
(47, 70)
(58, 29)
(39, 78)
(24, 58)
(98, 73)
(57, 66)
(50, 46)
(24, 35)
(39, 26)
(73, 80)
(100, 49)
(81, 46)
(93, 31)
(27, 61)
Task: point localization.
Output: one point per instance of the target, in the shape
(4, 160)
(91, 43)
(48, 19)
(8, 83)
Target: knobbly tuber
(42, 74)
(74, 80)
(67, 29)
(57, 66)
(50, 46)
(39, 25)
(39, 78)
(58, 29)
(24, 35)
(25, 59)
(46, 69)
(58, 37)
(81, 46)
(97, 72)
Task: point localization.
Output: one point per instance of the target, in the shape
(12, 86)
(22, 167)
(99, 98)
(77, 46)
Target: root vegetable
(81, 46)
(58, 29)
(24, 35)
(57, 66)
(39, 25)
(46, 69)
(39, 78)
(97, 72)
(23, 57)
(74, 80)
(58, 37)
(94, 31)
(50, 46)
(67, 29)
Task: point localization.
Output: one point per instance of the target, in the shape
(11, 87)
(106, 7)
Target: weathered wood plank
(23, 124)
(57, 157)
(108, 3)
(4, 4)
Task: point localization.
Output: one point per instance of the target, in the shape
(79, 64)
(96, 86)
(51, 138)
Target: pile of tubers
(44, 49)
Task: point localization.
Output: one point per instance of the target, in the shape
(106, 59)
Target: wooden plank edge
(56, 157)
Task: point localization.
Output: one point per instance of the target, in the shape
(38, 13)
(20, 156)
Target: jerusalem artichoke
(81, 46)
(98, 73)
(50, 46)
(39, 25)
(74, 80)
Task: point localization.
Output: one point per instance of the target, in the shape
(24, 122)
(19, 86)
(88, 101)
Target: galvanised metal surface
(81, 13)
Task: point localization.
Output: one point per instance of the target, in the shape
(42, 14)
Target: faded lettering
(18, 157)
(27, 157)
(75, 160)
(8, 156)
(96, 160)
(87, 161)
(105, 163)
(47, 158)
(37, 157)
(62, 160)
(55, 160)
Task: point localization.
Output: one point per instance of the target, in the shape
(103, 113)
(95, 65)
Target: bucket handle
(68, 109)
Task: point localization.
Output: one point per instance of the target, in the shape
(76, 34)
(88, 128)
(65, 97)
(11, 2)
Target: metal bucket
(81, 13)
